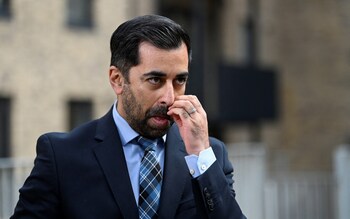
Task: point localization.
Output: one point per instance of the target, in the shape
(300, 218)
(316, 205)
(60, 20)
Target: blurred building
(273, 72)
(54, 66)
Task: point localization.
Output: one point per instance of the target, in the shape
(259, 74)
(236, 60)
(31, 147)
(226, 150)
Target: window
(80, 13)
(79, 112)
(5, 9)
(5, 126)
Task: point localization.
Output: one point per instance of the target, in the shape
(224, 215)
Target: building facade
(273, 76)
(54, 66)
(54, 61)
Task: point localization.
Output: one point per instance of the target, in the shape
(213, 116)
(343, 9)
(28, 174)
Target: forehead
(146, 48)
(153, 58)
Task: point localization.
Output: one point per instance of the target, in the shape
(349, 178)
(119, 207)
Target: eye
(181, 80)
(154, 80)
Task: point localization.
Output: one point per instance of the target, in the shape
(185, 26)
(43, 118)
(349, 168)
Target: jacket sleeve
(214, 195)
(39, 194)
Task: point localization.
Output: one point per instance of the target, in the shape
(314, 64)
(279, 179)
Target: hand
(191, 119)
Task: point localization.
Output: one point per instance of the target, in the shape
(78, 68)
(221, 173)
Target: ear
(116, 79)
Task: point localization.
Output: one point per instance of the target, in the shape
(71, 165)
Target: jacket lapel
(175, 174)
(110, 156)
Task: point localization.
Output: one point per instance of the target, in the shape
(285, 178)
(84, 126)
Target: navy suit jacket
(83, 174)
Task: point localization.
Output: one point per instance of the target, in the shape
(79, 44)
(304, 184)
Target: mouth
(160, 121)
(158, 118)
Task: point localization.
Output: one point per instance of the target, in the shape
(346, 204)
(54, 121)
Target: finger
(179, 114)
(192, 99)
(180, 104)
(191, 111)
(184, 104)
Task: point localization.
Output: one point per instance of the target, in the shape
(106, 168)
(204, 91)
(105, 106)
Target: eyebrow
(162, 74)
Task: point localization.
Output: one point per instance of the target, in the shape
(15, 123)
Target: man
(100, 169)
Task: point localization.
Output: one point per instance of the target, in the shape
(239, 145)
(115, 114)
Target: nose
(168, 95)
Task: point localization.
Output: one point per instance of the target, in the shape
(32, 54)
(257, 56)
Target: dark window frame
(80, 14)
(5, 126)
(5, 9)
(79, 112)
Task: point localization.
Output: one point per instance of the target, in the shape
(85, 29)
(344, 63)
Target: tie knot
(148, 144)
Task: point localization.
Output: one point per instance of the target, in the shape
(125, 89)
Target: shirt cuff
(197, 165)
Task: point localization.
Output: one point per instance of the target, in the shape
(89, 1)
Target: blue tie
(150, 180)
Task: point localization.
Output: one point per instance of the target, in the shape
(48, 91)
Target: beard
(138, 119)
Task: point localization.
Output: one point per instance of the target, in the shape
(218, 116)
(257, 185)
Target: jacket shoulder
(86, 132)
(78, 132)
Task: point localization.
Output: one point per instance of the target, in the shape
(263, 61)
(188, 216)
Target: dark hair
(160, 31)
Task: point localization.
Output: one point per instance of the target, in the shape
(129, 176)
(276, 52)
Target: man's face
(160, 76)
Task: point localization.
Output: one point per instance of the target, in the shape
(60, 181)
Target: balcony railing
(13, 173)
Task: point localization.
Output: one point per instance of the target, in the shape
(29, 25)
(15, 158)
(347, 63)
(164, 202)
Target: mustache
(158, 111)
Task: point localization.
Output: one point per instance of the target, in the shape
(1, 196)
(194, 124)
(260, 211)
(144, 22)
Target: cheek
(181, 91)
(149, 101)
(145, 99)
(148, 98)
